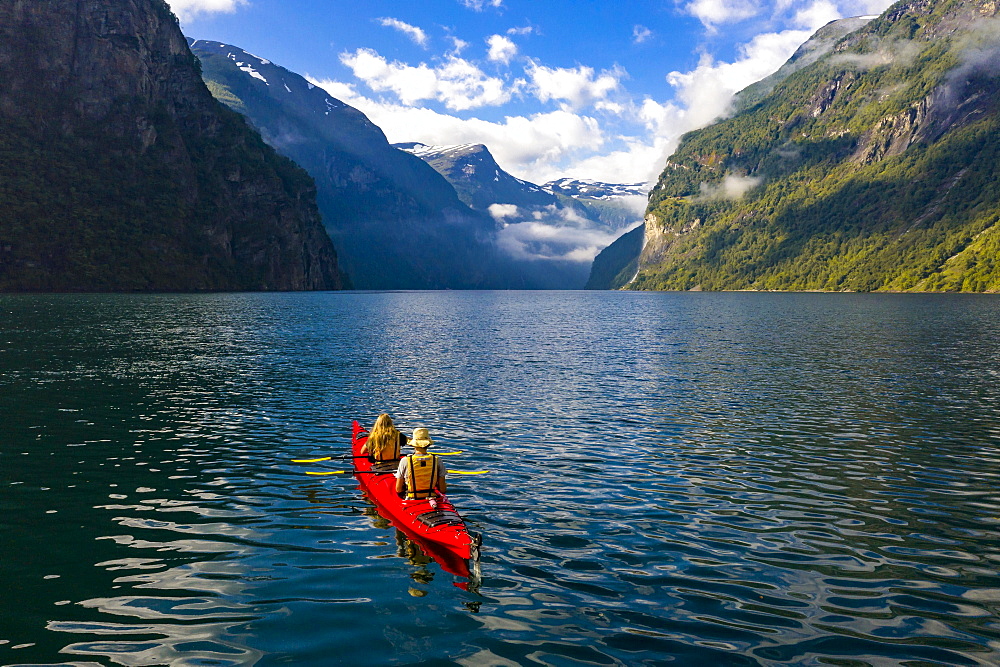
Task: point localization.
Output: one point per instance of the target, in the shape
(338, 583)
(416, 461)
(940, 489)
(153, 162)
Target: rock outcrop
(121, 172)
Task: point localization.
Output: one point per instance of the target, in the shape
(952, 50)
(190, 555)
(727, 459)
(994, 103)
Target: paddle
(373, 472)
(347, 457)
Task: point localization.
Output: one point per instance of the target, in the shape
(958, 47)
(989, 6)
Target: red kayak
(438, 530)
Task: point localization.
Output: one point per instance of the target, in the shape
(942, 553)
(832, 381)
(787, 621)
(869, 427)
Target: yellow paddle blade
(332, 472)
(467, 472)
(325, 458)
(447, 453)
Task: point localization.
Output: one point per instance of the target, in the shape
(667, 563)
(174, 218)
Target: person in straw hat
(421, 474)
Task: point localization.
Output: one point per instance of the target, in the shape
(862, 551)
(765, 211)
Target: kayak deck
(435, 526)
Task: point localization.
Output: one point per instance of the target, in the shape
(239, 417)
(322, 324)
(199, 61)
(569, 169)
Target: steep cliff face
(871, 168)
(119, 170)
(396, 222)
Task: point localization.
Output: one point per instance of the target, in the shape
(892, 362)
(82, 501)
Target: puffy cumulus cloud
(701, 96)
(527, 146)
(501, 212)
(810, 14)
(714, 12)
(413, 32)
(480, 5)
(707, 91)
(502, 49)
(816, 15)
(625, 139)
(189, 9)
(641, 34)
(456, 83)
(577, 87)
(639, 160)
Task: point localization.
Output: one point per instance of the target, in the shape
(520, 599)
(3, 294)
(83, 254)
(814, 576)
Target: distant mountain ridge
(479, 180)
(579, 188)
(870, 165)
(396, 222)
(120, 172)
(560, 225)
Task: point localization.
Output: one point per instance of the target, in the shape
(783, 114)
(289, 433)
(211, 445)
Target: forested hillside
(873, 167)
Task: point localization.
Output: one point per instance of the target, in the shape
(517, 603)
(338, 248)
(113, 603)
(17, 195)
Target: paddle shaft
(374, 472)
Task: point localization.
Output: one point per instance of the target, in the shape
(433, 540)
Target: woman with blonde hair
(385, 442)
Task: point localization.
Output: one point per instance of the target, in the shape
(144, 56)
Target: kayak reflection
(420, 554)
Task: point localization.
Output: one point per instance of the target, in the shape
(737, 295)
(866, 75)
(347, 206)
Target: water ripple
(732, 479)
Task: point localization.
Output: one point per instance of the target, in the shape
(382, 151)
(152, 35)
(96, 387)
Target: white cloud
(501, 212)
(707, 91)
(864, 7)
(413, 32)
(480, 5)
(816, 15)
(525, 30)
(702, 96)
(186, 10)
(554, 233)
(640, 34)
(456, 83)
(502, 49)
(530, 147)
(714, 12)
(731, 187)
(459, 44)
(626, 139)
(578, 86)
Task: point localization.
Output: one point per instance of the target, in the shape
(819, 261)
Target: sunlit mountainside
(867, 163)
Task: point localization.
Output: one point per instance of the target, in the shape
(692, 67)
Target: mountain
(120, 172)
(817, 46)
(552, 231)
(594, 190)
(872, 167)
(395, 221)
(477, 177)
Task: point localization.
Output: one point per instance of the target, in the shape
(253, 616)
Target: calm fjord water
(717, 479)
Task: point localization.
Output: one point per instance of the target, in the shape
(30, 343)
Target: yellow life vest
(421, 475)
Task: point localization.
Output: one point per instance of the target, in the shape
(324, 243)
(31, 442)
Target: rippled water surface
(695, 479)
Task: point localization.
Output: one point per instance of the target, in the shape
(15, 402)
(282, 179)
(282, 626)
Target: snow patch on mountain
(248, 68)
(580, 188)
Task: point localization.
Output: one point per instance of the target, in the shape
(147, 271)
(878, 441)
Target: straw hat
(421, 438)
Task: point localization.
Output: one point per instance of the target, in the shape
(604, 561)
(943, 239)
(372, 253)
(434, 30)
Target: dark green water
(693, 479)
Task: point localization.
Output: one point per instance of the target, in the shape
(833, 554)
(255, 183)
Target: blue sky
(588, 89)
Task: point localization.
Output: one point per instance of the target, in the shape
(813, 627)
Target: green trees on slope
(872, 169)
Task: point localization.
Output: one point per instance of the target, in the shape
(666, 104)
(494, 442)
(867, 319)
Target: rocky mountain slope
(553, 231)
(476, 176)
(482, 183)
(119, 171)
(871, 167)
(594, 190)
(396, 223)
